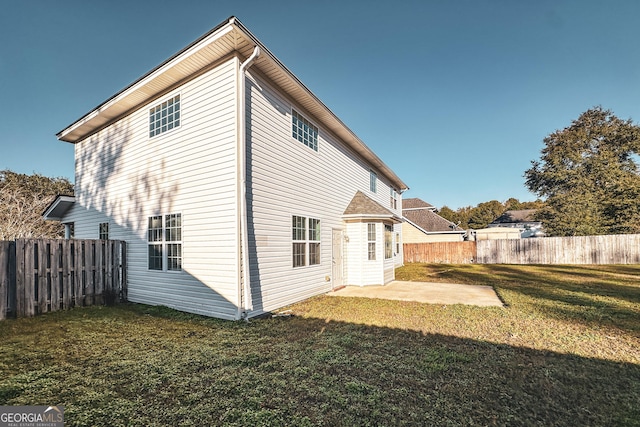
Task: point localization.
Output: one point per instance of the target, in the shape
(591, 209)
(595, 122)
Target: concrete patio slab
(425, 292)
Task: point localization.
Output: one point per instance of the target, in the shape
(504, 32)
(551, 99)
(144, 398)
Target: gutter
(244, 284)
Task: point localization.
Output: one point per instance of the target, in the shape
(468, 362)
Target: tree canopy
(23, 199)
(589, 175)
(480, 216)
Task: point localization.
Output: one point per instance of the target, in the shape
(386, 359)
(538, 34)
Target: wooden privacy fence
(609, 249)
(440, 252)
(42, 275)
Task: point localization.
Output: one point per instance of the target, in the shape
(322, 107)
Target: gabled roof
(364, 207)
(430, 221)
(415, 203)
(229, 38)
(516, 216)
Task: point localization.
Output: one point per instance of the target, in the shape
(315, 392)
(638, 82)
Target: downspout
(244, 285)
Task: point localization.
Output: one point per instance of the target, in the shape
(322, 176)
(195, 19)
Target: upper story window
(304, 131)
(394, 198)
(164, 116)
(373, 181)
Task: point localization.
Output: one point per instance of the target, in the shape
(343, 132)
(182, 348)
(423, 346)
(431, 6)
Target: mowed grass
(565, 350)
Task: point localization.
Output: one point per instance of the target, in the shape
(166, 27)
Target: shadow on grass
(136, 365)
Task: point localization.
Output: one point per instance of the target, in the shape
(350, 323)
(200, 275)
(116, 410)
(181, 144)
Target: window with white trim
(388, 241)
(103, 231)
(397, 243)
(303, 130)
(371, 242)
(373, 181)
(164, 235)
(164, 116)
(305, 241)
(393, 198)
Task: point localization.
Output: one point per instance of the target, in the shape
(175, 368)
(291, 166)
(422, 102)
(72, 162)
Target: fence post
(56, 286)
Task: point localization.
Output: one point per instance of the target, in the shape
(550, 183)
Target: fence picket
(67, 275)
(55, 252)
(5, 277)
(41, 265)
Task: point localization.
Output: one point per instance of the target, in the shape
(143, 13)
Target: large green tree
(484, 213)
(589, 175)
(481, 215)
(23, 199)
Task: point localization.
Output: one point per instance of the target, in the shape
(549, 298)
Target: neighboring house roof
(229, 38)
(516, 216)
(362, 206)
(421, 214)
(416, 203)
(430, 221)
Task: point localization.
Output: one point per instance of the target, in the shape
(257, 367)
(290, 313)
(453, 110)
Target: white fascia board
(181, 56)
(372, 217)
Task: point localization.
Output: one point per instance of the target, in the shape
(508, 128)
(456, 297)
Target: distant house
(423, 225)
(236, 189)
(524, 220)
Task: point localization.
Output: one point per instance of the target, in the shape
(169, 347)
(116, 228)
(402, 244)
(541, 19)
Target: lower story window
(305, 241)
(103, 231)
(164, 235)
(388, 241)
(371, 242)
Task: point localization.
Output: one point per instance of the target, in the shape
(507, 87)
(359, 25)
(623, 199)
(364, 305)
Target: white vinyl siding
(290, 180)
(124, 177)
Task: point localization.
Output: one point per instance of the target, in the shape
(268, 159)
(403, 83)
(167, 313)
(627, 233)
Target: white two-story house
(236, 189)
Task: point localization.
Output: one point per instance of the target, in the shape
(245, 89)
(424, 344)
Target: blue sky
(455, 96)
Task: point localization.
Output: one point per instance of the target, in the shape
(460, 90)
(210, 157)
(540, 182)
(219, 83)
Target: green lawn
(564, 351)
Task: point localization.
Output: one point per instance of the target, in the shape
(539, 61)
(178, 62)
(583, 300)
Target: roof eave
(166, 75)
(56, 210)
(372, 217)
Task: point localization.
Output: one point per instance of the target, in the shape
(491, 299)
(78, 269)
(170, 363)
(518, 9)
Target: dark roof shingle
(430, 221)
(361, 204)
(415, 203)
